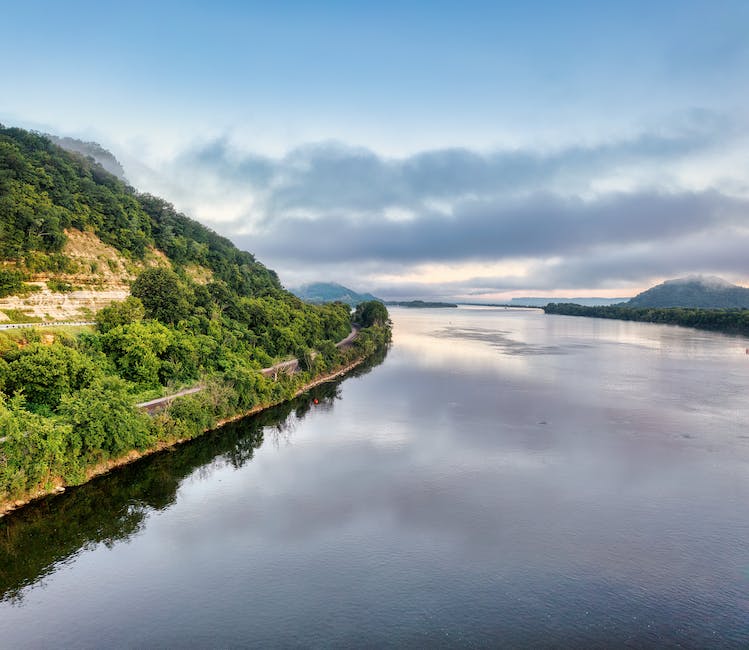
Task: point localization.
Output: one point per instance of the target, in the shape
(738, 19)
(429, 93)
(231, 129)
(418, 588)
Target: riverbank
(58, 486)
(725, 321)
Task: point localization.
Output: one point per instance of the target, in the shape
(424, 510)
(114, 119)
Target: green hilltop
(193, 311)
(701, 302)
(93, 149)
(698, 292)
(46, 190)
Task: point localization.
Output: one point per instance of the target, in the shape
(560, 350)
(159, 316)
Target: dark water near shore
(503, 478)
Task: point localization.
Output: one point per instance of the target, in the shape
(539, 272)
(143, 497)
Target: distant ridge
(695, 291)
(421, 304)
(320, 292)
(542, 302)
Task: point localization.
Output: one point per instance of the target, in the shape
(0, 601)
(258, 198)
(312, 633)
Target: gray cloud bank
(603, 215)
(540, 225)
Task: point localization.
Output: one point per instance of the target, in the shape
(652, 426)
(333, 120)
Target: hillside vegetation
(91, 149)
(695, 292)
(201, 311)
(45, 190)
(706, 303)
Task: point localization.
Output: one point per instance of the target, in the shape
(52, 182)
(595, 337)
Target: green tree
(128, 311)
(330, 354)
(369, 313)
(138, 350)
(103, 419)
(33, 449)
(44, 373)
(164, 296)
(11, 281)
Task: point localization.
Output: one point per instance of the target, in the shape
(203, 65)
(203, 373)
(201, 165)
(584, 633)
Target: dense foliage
(67, 408)
(45, 189)
(731, 321)
(371, 313)
(69, 404)
(11, 282)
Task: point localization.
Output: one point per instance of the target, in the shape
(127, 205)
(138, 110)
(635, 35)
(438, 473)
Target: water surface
(502, 478)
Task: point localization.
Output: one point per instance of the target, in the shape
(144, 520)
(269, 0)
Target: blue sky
(431, 148)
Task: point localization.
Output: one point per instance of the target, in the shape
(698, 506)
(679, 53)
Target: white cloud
(459, 222)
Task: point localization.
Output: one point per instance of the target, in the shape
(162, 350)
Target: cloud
(539, 225)
(592, 216)
(334, 177)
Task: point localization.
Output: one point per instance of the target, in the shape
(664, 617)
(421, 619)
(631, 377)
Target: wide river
(502, 478)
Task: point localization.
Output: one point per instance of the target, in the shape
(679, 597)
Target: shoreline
(11, 505)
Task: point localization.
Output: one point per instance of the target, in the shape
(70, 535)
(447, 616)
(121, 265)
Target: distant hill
(93, 149)
(319, 292)
(542, 302)
(421, 304)
(703, 292)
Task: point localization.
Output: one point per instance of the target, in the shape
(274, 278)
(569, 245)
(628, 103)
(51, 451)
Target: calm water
(502, 478)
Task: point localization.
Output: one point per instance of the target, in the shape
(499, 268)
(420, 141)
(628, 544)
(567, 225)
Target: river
(501, 478)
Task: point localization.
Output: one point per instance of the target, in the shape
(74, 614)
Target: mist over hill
(699, 292)
(320, 292)
(93, 149)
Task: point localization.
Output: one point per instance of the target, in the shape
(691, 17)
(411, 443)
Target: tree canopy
(369, 313)
(45, 190)
(164, 297)
(69, 403)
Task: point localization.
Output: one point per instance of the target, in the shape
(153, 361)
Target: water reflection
(503, 341)
(464, 494)
(44, 536)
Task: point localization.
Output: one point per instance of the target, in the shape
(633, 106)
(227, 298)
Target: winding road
(15, 326)
(291, 366)
(155, 405)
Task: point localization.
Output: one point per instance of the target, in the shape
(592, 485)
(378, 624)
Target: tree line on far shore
(729, 321)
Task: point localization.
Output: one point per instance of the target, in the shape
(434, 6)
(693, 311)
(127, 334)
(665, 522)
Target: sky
(459, 150)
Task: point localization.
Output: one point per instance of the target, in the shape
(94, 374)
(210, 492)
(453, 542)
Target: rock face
(99, 275)
(699, 292)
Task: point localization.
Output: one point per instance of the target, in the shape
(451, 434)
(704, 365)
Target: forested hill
(191, 310)
(321, 292)
(46, 190)
(696, 292)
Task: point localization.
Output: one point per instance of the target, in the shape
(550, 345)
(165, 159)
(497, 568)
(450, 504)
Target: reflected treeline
(41, 536)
